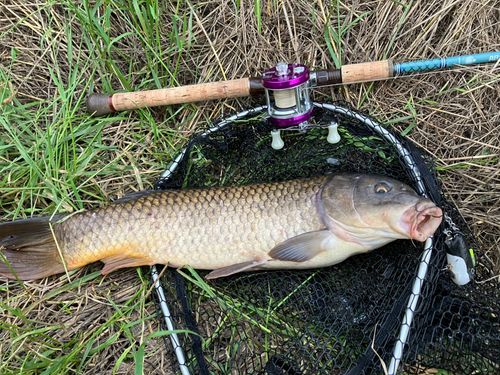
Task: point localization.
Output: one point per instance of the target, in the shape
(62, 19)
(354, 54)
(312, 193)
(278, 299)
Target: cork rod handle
(366, 72)
(102, 104)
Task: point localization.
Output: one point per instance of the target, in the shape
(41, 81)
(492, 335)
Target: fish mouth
(427, 218)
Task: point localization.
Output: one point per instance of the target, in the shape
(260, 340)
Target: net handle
(176, 344)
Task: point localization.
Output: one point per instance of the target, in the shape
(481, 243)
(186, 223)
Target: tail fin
(29, 248)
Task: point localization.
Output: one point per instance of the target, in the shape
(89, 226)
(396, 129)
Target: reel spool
(289, 84)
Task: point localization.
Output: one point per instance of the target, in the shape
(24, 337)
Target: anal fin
(235, 268)
(115, 262)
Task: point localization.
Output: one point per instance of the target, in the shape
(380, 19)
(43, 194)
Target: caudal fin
(29, 248)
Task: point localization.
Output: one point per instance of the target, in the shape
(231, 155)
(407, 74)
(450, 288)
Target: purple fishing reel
(289, 84)
(292, 107)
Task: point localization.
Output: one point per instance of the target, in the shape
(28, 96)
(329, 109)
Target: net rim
(406, 157)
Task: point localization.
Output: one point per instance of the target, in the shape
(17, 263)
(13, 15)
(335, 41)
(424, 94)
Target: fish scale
(206, 228)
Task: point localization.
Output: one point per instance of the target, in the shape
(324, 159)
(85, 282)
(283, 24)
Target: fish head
(356, 204)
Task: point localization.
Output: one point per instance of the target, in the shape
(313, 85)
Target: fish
(296, 224)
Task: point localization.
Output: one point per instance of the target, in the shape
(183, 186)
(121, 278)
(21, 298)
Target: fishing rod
(289, 84)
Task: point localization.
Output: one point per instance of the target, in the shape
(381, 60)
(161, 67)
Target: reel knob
(277, 142)
(333, 134)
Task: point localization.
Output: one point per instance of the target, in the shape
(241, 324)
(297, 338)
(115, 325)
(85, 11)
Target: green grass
(80, 348)
(333, 36)
(54, 157)
(52, 152)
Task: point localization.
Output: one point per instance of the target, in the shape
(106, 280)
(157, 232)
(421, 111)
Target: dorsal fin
(134, 196)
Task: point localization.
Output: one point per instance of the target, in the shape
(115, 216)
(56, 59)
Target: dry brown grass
(457, 112)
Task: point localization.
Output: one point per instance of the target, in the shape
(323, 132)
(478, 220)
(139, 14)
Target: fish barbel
(297, 224)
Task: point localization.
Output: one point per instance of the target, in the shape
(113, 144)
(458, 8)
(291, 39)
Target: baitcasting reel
(292, 108)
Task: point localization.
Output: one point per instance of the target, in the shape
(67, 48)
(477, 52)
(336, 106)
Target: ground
(54, 156)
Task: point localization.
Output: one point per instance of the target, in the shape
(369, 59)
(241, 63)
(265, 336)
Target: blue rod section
(426, 65)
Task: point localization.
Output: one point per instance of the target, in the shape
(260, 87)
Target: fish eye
(382, 187)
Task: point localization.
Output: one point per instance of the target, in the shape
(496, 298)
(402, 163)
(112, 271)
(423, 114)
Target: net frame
(412, 168)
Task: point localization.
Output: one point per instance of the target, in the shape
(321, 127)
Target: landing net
(396, 305)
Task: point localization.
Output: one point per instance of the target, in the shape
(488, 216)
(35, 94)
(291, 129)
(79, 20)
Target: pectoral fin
(303, 247)
(235, 268)
(115, 262)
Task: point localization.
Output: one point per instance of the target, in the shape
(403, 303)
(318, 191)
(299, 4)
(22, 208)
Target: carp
(296, 224)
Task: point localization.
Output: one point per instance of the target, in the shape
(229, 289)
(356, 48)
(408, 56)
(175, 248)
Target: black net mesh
(326, 321)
